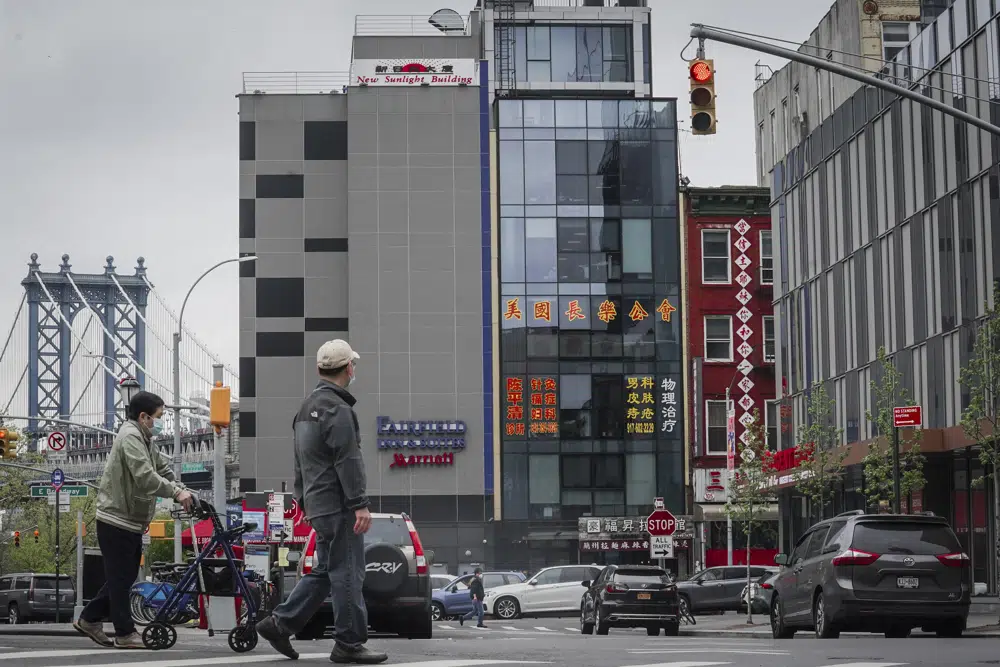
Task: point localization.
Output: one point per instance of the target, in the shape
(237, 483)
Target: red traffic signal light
(17, 538)
(701, 71)
(36, 536)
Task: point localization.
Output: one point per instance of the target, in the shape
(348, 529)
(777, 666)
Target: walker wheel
(243, 638)
(159, 636)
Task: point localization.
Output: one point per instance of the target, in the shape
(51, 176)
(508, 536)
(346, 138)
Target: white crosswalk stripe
(66, 653)
(446, 627)
(713, 651)
(543, 629)
(572, 629)
(508, 627)
(683, 664)
(867, 664)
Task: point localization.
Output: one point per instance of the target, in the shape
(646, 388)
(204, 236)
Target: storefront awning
(717, 512)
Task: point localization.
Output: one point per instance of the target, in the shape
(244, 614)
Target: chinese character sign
(543, 415)
(640, 405)
(669, 406)
(514, 407)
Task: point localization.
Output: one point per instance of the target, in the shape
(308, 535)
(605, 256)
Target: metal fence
(295, 83)
(373, 25)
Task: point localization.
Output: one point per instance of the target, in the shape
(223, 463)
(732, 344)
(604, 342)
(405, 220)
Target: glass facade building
(590, 345)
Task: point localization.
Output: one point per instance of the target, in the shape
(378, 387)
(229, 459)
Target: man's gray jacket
(329, 470)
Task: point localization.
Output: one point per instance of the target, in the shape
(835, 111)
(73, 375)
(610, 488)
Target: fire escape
(506, 81)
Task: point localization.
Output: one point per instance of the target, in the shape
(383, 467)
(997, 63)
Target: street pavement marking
(713, 651)
(66, 653)
(446, 627)
(508, 627)
(683, 664)
(543, 629)
(572, 629)
(867, 664)
(229, 660)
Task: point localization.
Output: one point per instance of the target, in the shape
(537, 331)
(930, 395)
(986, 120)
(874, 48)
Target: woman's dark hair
(144, 401)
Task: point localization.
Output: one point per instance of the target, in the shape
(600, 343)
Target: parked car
(397, 587)
(553, 591)
(760, 593)
(439, 581)
(32, 597)
(630, 596)
(455, 600)
(716, 588)
(885, 573)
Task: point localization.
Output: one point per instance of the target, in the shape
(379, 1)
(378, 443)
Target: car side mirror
(700, 582)
(586, 584)
(453, 589)
(781, 559)
(532, 583)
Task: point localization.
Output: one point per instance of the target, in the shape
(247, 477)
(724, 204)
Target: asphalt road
(522, 643)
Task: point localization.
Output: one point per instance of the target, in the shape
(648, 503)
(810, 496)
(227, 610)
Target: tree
(749, 492)
(889, 392)
(821, 458)
(981, 378)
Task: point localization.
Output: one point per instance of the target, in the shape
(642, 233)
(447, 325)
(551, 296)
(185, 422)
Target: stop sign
(661, 523)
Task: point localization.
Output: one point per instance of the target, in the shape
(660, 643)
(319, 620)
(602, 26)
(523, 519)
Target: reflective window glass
(571, 113)
(574, 312)
(589, 54)
(512, 250)
(571, 157)
(540, 250)
(575, 406)
(512, 172)
(637, 248)
(563, 50)
(574, 267)
(539, 113)
(604, 234)
(574, 345)
(616, 46)
(538, 70)
(510, 113)
(718, 338)
(539, 182)
(538, 42)
(572, 190)
(602, 113)
(573, 235)
(602, 158)
(715, 259)
(543, 479)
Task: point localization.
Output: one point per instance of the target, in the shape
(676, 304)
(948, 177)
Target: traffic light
(701, 73)
(8, 443)
(36, 536)
(17, 539)
(219, 405)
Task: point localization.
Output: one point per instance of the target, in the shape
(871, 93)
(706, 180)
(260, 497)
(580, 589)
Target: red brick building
(730, 345)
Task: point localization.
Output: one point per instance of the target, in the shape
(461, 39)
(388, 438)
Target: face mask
(157, 426)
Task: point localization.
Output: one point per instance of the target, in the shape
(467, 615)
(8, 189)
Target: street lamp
(178, 468)
(128, 387)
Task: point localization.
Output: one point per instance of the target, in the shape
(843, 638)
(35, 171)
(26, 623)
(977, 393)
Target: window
(715, 260)
(766, 258)
(718, 338)
(769, 339)
(772, 423)
(715, 426)
(572, 53)
(637, 248)
(785, 125)
(774, 139)
(546, 577)
(493, 580)
(543, 480)
(895, 36)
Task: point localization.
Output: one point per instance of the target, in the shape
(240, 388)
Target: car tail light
(855, 557)
(31, 590)
(616, 588)
(766, 587)
(418, 548)
(309, 555)
(954, 560)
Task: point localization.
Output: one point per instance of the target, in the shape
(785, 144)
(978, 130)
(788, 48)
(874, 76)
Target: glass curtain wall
(590, 307)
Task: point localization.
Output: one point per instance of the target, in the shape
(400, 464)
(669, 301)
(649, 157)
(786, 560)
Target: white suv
(551, 591)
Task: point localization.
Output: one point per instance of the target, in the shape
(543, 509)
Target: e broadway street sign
(73, 490)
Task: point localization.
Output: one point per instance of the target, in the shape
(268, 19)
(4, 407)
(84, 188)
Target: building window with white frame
(716, 261)
(715, 427)
(772, 423)
(769, 351)
(718, 338)
(766, 258)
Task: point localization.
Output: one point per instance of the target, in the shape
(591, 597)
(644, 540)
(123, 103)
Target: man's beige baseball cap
(335, 354)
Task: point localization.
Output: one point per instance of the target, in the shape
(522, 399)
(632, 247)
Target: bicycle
(687, 618)
(146, 598)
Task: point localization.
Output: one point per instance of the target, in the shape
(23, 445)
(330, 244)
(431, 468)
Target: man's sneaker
(461, 620)
(482, 626)
(93, 630)
(356, 656)
(132, 640)
(269, 630)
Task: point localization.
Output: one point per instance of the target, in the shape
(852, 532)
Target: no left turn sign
(57, 441)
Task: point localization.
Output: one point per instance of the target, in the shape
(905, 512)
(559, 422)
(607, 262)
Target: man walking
(330, 488)
(136, 474)
(478, 593)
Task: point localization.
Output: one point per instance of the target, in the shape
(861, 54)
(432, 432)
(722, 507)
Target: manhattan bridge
(73, 337)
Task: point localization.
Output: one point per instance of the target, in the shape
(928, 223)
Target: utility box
(219, 406)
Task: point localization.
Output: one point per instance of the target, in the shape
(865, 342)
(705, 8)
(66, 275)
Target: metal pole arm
(59, 421)
(21, 466)
(699, 31)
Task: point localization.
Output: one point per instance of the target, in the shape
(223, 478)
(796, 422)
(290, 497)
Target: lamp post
(178, 468)
(128, 387)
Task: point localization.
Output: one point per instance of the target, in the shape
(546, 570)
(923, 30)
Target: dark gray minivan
(32, 597)
(884, 573)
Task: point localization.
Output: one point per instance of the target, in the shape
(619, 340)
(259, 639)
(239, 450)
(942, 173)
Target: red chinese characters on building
(514, 407)
(543, 415)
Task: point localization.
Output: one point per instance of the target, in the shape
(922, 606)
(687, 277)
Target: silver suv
(397, 586)
(32, 597)
(883, 573)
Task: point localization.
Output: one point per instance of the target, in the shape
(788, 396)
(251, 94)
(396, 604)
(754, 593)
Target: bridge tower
(54, 300)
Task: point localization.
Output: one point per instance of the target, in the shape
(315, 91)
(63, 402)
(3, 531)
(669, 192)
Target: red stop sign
(661, 522)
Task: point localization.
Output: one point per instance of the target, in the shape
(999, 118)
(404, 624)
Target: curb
(763, 634)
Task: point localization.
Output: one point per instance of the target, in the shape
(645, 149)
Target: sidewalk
(735, 625)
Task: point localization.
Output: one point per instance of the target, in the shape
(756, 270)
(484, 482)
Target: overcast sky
(118, 123)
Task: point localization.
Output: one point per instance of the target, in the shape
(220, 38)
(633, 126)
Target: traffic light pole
(57, 553)
(701, 33)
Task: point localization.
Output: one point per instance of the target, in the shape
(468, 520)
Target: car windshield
(891, 537)
(640, 577)
(388, 531)
(49, 583)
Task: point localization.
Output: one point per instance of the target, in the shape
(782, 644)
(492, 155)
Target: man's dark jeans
(477, 611)
(122, 554)
(339, 569)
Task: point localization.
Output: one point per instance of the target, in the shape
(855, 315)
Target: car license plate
(907, 582)
(643, 596)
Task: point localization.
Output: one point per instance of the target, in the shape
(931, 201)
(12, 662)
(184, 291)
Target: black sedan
(630, 596)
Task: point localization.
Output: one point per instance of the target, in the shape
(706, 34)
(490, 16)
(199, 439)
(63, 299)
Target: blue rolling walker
(207, 575)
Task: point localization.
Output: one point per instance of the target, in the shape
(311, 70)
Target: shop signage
(640, 403)
(786, 459)
(619, 527)
(668, 405)
(614, 545)
(392, 434)
(422, 460)
(540, 409)
(409, 72)
(710, 485)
